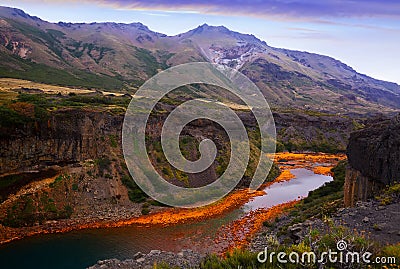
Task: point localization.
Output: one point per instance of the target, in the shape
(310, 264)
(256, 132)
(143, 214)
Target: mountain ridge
(122, 56)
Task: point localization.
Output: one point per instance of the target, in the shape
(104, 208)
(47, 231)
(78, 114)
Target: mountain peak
(222, 32)
(114, 52)
(9, 12)
(206, 27)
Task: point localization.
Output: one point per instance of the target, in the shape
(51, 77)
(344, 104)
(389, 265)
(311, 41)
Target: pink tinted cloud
(271, 8)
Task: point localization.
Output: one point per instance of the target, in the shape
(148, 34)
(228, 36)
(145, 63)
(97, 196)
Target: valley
(233, 220)
(68, 199)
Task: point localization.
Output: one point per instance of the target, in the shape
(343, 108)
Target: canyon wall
(374, 160)
(73, 135)
(67, 136)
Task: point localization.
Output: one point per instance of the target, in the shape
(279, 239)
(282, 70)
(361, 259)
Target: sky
(363, 34)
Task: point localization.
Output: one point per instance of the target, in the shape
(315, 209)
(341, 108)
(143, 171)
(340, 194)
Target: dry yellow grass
(7, 96)
(11, 84)
(9, 89)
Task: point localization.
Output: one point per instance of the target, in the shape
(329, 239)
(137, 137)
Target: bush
(135, 194)
(11, 118)
(103, 164)
(75, 187)
(113, 141)
(389, 194)
(391, 251)
(145, 211)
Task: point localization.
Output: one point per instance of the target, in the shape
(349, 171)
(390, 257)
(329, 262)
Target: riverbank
(236, 234)
(183, 259)
(173, 216)
(164, 217)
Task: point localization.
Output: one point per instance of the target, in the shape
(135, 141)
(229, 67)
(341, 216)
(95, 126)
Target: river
(79, 249)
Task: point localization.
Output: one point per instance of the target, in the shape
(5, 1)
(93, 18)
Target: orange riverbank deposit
(319, 163)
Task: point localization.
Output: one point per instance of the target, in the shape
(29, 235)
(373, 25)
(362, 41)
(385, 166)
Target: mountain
(122, 56)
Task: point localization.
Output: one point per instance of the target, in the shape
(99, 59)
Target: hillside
(121, 57)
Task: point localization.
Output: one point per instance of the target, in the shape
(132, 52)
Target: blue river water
(80, 249)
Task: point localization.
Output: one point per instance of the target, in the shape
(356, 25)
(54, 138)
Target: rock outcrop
(374, 160)
(301, 131)
(73, 135)
(69, 135)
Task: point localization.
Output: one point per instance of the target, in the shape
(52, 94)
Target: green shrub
(145, 211)
(11, 118)
(388, 195)
(113, 141)
(75, 187)
(136, 196)
(103, 163)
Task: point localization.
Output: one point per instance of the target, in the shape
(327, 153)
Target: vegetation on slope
(44, 205)
(320, 203)
(45, 74)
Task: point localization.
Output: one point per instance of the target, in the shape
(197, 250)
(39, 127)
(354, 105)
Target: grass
(389, 194)
(315, 240)
(32, 209)
(391, 251)
(44, 74)
(25, 109)
(10, 118)
(46, 101)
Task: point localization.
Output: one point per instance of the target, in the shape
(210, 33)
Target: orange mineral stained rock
(163, 218)
(241, 230)
(309, 157)
(284, 176)
(178, 215)
(323, 170)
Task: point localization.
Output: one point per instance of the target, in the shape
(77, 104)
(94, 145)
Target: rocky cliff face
(374, 159)
(319, 132)
(97, 181)
(68, 136)
(73, 135)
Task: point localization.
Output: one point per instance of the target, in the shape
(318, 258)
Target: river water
(79, 249)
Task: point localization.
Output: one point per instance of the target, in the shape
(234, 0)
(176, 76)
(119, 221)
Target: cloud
(300, 29)
(156, 14)
(289, 9)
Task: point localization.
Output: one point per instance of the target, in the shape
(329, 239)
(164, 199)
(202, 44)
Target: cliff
(67, 136)
(70, 135)
(83, 145)
(374, 159)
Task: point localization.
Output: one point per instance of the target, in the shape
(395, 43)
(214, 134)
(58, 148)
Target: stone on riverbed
(184, 259)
